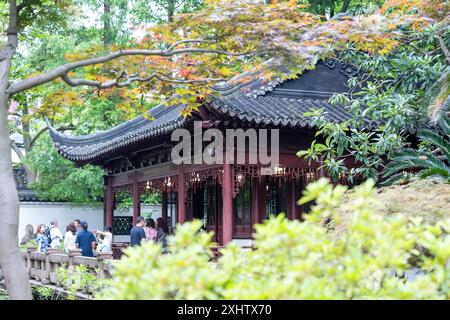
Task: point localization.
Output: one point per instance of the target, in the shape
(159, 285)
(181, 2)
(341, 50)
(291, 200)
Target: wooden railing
(42, 267)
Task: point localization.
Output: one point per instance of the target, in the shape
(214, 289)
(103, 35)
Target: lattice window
(122, 226)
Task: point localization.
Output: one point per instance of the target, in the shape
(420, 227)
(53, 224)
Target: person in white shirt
(105, 244)
(69, 237)
(55, 235)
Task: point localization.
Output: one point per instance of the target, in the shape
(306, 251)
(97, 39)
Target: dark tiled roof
(278, 111)
(28, 195)
(274, 102)
(88, 148)
(25, 194)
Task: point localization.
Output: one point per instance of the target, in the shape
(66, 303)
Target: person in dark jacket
(85, 240)
(162, 231)
(137, 233)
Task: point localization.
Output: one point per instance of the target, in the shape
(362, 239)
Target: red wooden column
(256, 202)
(109, 210)
(136, 201)
(181, 192)
(227, 196)
(164, 204)
(261, 199)
(292, 205)
(321, 172)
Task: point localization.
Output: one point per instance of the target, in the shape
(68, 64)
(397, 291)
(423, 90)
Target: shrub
(435, 162)
(80, 279)
(297, 260)
(43, 293)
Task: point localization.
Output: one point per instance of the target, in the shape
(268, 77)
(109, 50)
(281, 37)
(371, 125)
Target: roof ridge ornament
(344, 67)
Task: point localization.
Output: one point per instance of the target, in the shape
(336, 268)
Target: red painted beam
(227, 195)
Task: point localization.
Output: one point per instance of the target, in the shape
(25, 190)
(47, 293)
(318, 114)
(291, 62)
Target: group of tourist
(149, 231)
(77, 236)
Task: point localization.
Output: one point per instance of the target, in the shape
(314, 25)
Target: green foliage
(59, 179)
(125, 199)
(85, 280)
(81, 279)
(388, 101)
(160, 11)
(30, 244)
(432, 159)
(297, 260)
(3, 295)
(44, 293)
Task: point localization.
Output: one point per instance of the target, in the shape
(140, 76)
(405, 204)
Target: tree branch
(444, 48)
(8, 51)
(37, 135)
(62, 71)
(345, 5)
(17, 150)
(129, 80)
(176, 44)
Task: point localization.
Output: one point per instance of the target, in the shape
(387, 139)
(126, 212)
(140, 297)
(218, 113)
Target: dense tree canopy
(396, 94)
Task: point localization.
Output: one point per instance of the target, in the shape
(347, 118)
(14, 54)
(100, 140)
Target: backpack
(47, 234)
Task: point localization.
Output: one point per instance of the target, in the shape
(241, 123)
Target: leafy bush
(391, 96)
(297, 260)
(30, 244)
(3, 295)
(44, 293)
(434, 162)
(81, 279)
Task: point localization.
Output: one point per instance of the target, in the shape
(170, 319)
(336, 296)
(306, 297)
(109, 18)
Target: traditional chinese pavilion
(228, 198)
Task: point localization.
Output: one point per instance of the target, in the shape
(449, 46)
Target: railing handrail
(42, 267)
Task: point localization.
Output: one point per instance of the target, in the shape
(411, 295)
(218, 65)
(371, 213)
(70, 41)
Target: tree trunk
(11, 263)
(332, 10)
(13, 268)
(170, 10)
(345, 5)
(106, 22)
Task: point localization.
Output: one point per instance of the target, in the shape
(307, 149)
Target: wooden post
(29, 261)
(103, 266)
(73, 253)
(227, 195)
(292, 203)
(109, 210)
(45, 274)
(255, 202)
(321, 172)
(164, 204)
(136, 201)
(294, 198)
(261, 199)
(181, 192)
